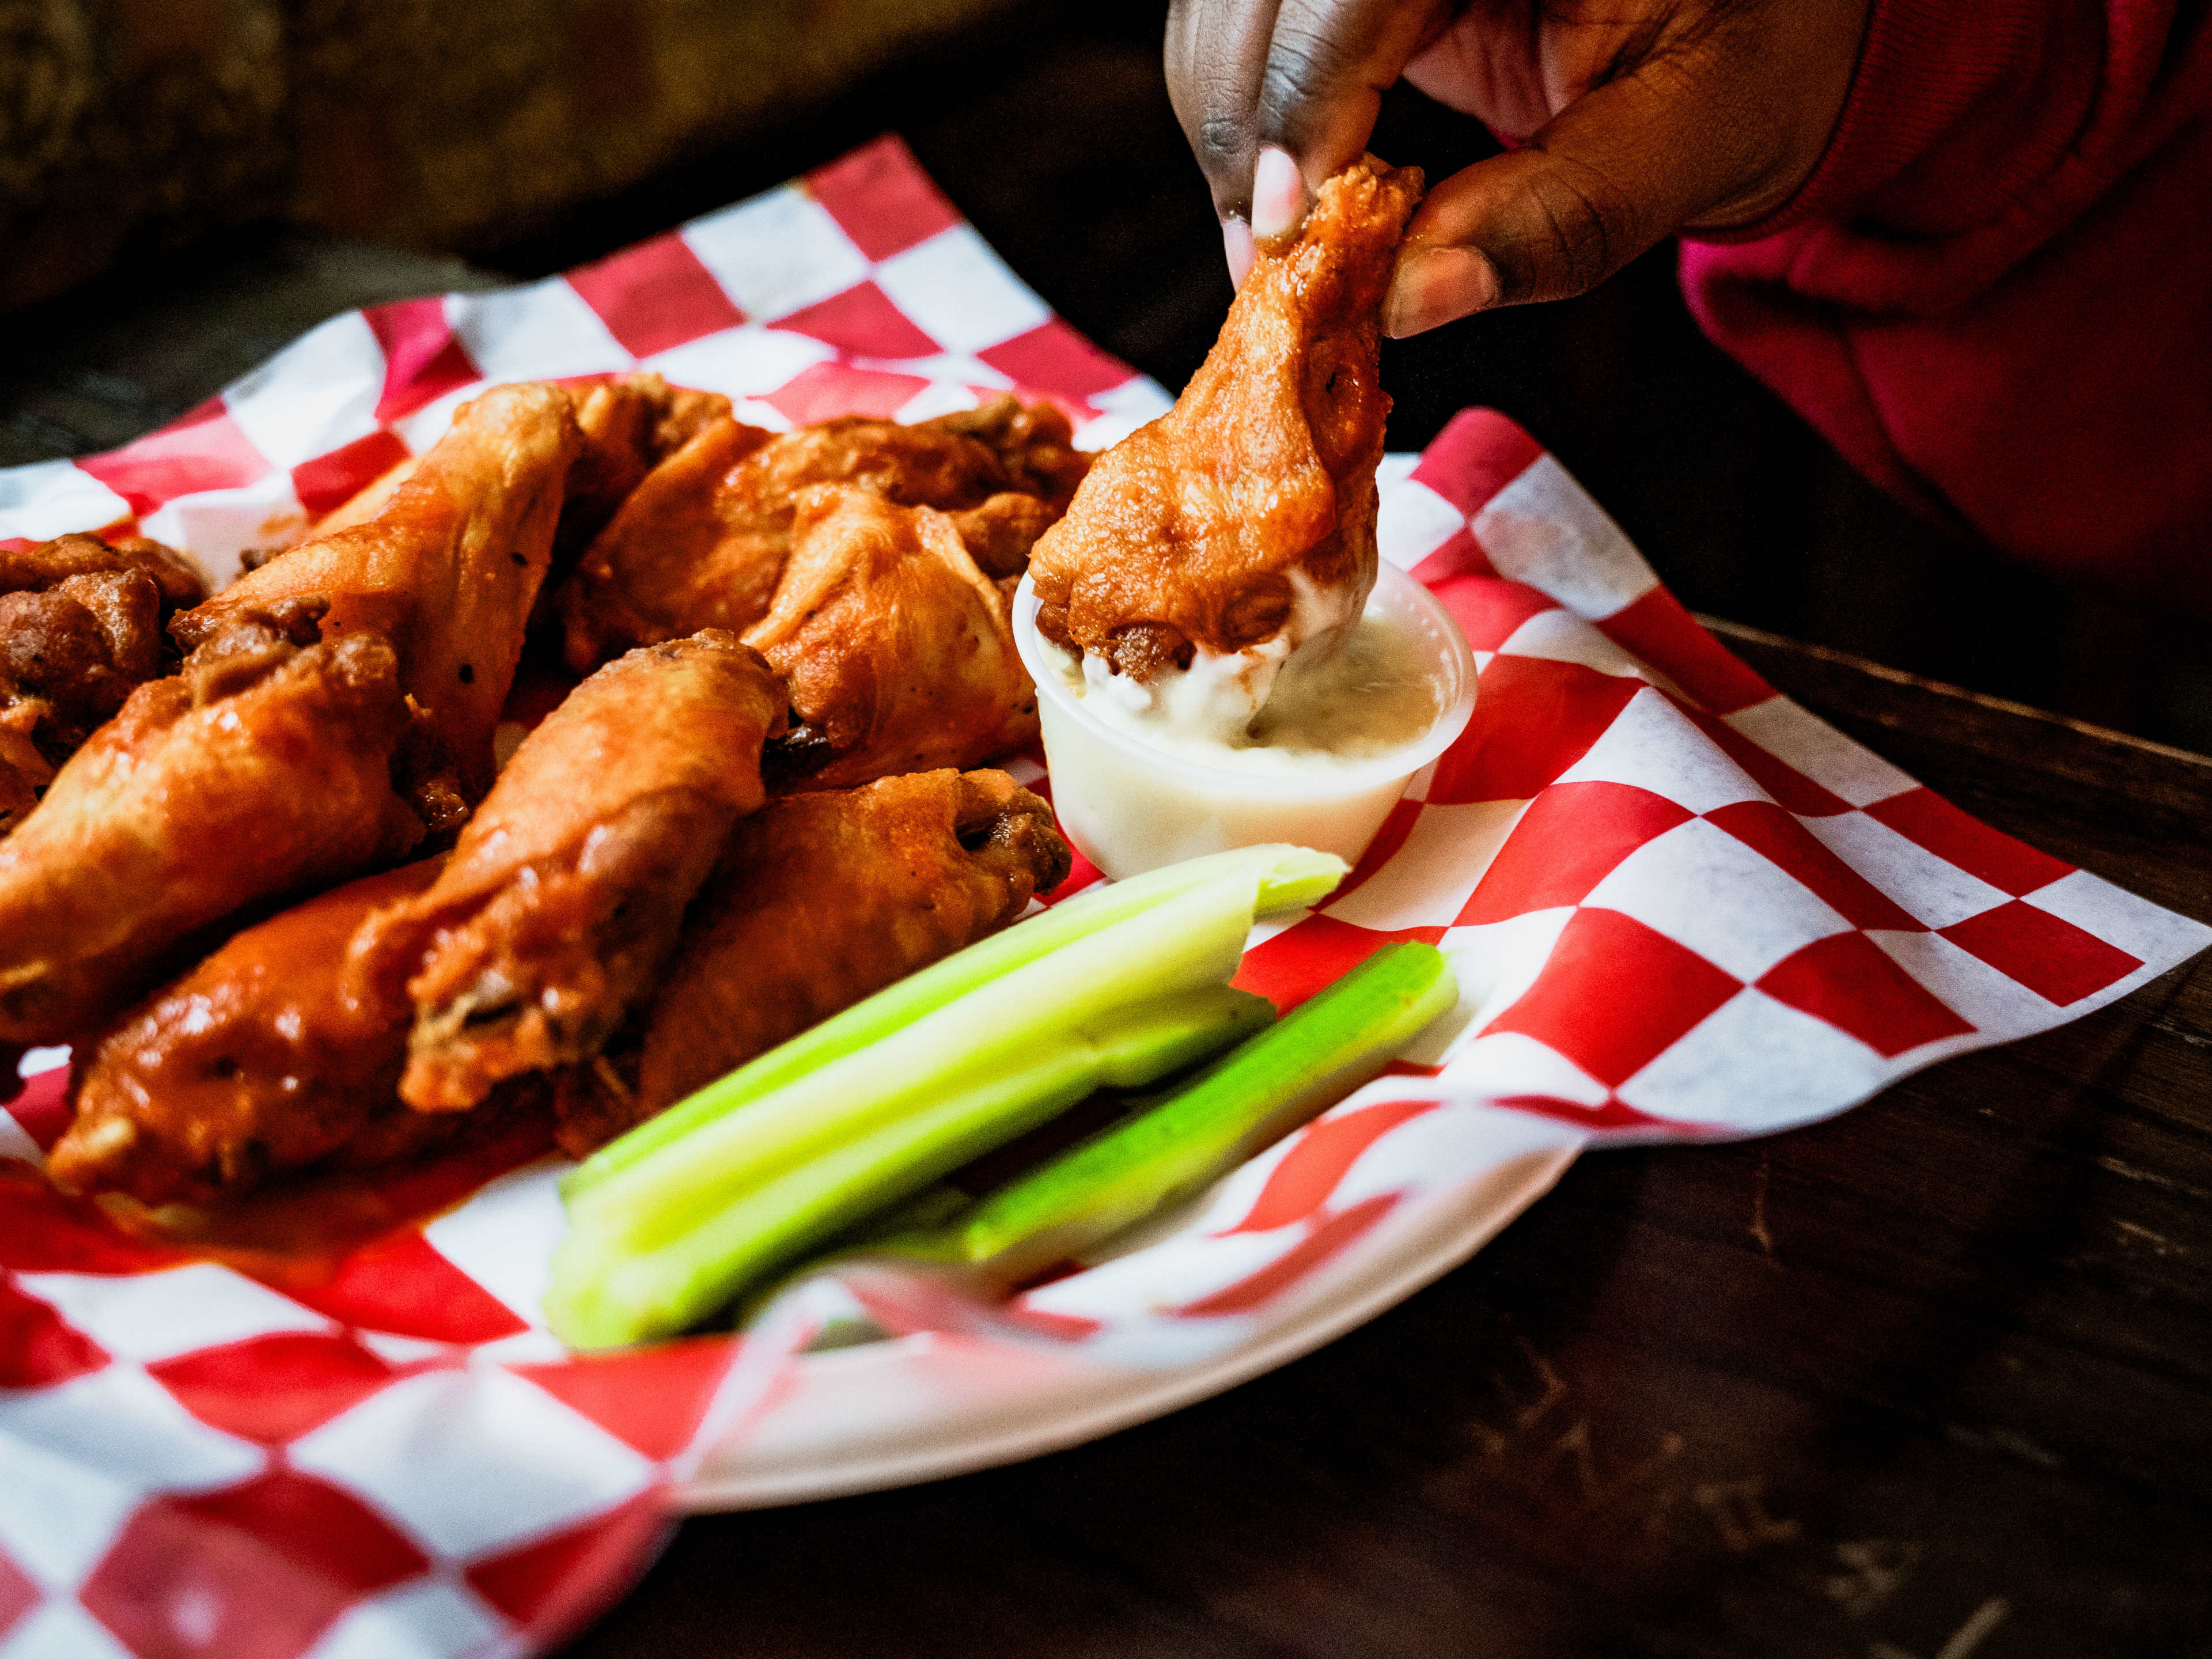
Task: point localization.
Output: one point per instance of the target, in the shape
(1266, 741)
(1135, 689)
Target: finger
(1327, 62)
(1216, 56)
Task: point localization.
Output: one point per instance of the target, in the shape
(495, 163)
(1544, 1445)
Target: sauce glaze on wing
(264, 767)
(565, 892)
(899, 651)
(1255, 495)
(819, 900)
(702, 542)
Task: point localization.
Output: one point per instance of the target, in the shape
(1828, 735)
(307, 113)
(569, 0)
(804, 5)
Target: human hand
(1637, 118)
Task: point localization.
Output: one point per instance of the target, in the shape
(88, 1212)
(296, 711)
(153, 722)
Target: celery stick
(606, 1292)
(1286, 876)
(1195, 941)
(1286, 1074)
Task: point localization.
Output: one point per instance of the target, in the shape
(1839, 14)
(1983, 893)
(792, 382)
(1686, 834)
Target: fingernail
(1237, 243)
(1279, 195)
(1436, 285)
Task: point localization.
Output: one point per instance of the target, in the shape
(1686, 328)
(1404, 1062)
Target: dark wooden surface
(1930, 1381)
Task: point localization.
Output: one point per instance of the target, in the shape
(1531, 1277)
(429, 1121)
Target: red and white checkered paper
(1680, 907)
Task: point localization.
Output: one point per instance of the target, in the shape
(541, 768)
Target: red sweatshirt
(1995, 293)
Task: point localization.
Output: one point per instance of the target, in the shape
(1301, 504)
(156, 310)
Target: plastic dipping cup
(1130, 807)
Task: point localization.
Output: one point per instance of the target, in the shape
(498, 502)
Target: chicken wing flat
(255, 1062)
(898, 651)
(567, 889)
(819, 900)
(446, 572)
(79, 626)
(702, 543)
(1243, 521)
(262, 768)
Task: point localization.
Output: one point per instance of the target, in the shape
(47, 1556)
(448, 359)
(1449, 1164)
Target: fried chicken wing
(264, 767)
(79, 626)
(446, 571)
(254, 1062)
(566, 891)
(702, 543)
(1243, 521)
(898, 651)
(819, 900)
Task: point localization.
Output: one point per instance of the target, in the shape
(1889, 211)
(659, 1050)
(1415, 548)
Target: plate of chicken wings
(758, 804)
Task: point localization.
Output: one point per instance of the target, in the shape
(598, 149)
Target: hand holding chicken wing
(1242, 522)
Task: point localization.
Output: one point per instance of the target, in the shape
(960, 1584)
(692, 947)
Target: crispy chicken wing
(819, 900)
(79, 626)
(565, 893)
(703, 541)
(1243, 521)
(262, 768)
(255, 1062)
(446, 571)
(898, 651)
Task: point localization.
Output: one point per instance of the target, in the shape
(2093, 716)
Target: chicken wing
(255, 1062)
(566, 891)
(702, 542)
(264, 767)
(446, 572)
(819, 900)
(1242, 522)
(79, 626)
(898, 651)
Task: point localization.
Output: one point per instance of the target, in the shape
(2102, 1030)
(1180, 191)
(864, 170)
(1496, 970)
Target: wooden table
(1930, 1380)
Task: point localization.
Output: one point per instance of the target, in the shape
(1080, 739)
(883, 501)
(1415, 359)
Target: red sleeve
(1994, 294)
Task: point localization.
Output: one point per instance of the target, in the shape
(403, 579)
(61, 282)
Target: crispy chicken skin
(446, 572)
(898, 651)
(1189, 531)
(264, 767)
(819, 900)
(703, 541)
(567, 889)
(79, 626)
(35, 568)
(253, 1063)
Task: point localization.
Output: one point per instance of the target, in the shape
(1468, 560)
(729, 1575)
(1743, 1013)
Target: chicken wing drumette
(1242, 522)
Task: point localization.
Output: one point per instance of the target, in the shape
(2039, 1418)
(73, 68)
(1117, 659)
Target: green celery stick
(1194, 941)
(1286, 878)
(606, 1292)
(1278, 1080)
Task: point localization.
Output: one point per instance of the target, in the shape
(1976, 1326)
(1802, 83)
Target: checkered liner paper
(1681, 907)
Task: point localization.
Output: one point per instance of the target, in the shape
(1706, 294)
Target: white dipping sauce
(1196, 762)
(1340, 699)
